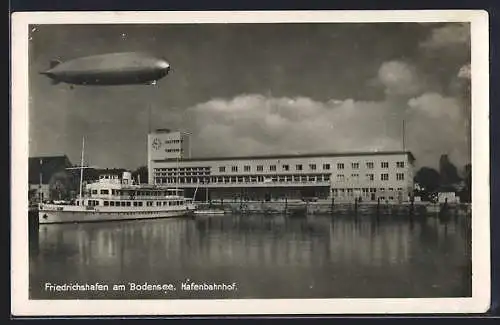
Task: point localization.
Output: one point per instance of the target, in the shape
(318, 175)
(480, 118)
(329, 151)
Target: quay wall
(362, 208)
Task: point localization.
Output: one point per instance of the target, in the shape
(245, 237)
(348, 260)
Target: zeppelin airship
(126, 68)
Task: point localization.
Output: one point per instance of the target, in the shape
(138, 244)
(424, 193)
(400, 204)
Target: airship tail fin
(54, 63)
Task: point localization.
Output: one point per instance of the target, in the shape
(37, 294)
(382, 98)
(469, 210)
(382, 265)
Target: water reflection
(268, 257)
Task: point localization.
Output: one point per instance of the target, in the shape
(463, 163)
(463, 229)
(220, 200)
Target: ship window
(123, 203)
(169, 203)
(106, 203)
(158, 204)
(94, 191)
(112, 203)
(104, 191)
(128, 203)
(96, 202)
(140, 203)
(135, 204)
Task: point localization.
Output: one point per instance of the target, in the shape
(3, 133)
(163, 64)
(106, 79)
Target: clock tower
(164, 144)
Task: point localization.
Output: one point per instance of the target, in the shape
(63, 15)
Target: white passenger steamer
(114, 198)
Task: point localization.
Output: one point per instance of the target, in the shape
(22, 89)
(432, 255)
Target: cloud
(438, 125)
(399, 78)
(448, 37)
(258, 125)
(255, 124)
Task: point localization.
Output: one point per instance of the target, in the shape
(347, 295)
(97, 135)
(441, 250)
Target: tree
(428, 179)
(466, 193)
(142, 173)
(448, 172)
(61, 185)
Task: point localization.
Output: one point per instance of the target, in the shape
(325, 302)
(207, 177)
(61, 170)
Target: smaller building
(41, 171)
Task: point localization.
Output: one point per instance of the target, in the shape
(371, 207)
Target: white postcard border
(23, 306)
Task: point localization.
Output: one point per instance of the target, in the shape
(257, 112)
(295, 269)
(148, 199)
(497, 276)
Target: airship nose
(163, 65)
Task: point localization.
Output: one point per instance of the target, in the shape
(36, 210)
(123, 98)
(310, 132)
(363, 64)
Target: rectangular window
(400, 164)
(106, 203)
(369, 165)
(340, 166)
(112, 203)
(384, 164)
(340, 177)
(326, 166)
(384, 177)
(286, 168)
(234, 168)
(246, 168)
(222, 169)
(355, 176)
(298, 167)
(128, 203)
(260, 168)
(400, 176)
(312, 166)
(105, 192)
(369, 177)
(272, 168)
(355, 165)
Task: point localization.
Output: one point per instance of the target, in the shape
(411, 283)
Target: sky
(258, 89)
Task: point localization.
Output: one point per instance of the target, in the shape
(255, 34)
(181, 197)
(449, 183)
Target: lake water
(253, 256)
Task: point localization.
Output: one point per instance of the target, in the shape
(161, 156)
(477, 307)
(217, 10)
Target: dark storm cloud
(250, 89)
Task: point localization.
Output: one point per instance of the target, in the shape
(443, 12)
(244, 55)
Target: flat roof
(286, 156)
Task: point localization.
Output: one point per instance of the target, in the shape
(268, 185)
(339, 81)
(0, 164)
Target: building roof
(47, 166)
(290, 156)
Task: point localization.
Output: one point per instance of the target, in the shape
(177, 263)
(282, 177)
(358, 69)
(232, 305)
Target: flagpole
(41, 181)
(81, 168)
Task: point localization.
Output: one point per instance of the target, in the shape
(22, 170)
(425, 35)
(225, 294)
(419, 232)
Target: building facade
(164, 144)
(368, 176)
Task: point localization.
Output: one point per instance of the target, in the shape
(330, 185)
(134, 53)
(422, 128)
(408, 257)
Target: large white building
(343, 176)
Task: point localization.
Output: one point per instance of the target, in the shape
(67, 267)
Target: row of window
(173, 141)
(173, 150)
(364, 190)
(300, 167)
(134, 193)
(272, 179)
(182, 174)
(133, 203)
(371, 177)
(245, 179)
(183, 169)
